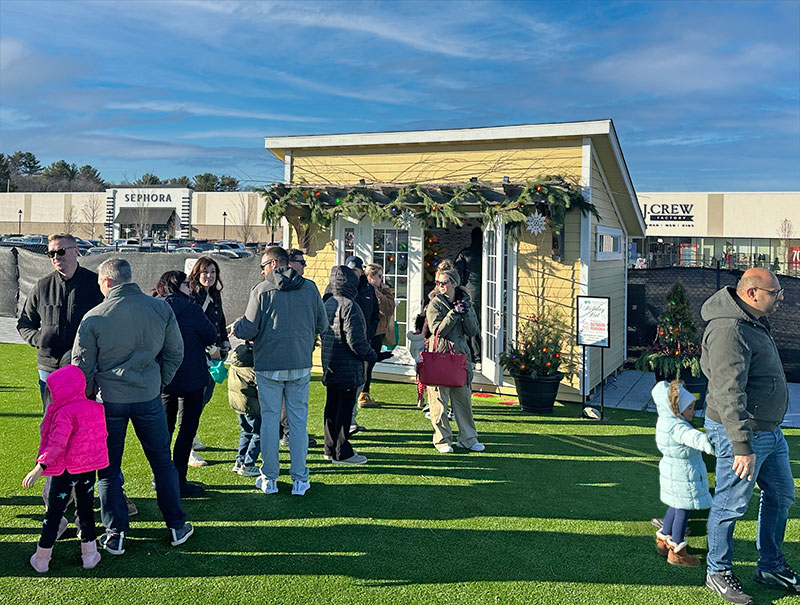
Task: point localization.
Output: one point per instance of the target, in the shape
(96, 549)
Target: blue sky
(704, 95)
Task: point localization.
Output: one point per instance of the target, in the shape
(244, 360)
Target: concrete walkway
(630, 390)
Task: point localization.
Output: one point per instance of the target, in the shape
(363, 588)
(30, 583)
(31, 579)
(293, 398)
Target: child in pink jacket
(72, 449)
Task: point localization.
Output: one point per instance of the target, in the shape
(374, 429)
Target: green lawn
(557, 510)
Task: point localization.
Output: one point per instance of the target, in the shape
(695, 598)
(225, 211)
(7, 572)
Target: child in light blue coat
(683, 474)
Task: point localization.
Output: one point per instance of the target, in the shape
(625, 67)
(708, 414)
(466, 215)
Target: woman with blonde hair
(451, 320)
(385, 298)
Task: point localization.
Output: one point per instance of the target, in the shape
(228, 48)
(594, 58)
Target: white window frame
(615, 233)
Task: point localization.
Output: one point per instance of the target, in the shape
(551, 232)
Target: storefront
(730, 230)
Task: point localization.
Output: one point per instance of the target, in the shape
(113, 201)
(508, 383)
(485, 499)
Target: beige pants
(460, 398)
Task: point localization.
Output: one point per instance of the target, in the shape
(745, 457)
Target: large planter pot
(697, 386)
(537, 394)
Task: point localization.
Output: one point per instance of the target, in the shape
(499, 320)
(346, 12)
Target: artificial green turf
(557, 510)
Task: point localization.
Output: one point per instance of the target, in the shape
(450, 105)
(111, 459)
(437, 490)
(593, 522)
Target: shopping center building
(732, 230)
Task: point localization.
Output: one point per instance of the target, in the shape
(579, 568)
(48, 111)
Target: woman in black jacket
(183, 397)
(345, 348)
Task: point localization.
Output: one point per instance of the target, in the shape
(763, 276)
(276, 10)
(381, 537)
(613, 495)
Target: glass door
(493, 301)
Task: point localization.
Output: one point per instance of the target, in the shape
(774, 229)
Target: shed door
(492, 302)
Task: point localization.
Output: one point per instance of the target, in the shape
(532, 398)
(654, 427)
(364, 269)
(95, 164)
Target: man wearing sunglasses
(56, 305)
(746, 402)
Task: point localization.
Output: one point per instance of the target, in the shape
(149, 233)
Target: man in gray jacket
(283, 317)
(746, 402)
(129, 346)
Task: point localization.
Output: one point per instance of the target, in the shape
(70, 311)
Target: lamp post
(224, 222)
(19, 222)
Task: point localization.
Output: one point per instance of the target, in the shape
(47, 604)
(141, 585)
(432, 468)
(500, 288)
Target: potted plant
(535, 361)
(675, 352)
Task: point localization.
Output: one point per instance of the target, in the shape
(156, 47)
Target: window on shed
(609, 243)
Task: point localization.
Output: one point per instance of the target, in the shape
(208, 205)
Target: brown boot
(89, 554)
(40, 560)
(365, 401)
(679, 555)
(662, 547)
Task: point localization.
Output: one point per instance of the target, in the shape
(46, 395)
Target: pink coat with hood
(74, 427)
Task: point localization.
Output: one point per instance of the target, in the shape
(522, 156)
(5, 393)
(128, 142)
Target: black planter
(537, 394)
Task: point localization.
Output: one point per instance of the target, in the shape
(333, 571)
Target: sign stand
(594, 329)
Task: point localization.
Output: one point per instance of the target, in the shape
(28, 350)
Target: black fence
(647, 292)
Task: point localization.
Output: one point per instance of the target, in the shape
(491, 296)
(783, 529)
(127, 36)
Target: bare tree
(785, 233)
(244, 217)
(70, 220)
(142, 215)
(91, 213)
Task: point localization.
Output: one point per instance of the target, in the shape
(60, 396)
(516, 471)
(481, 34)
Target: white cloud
(204, 110)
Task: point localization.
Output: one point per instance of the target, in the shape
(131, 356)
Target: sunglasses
(59, 252)
(442, 283)
(269, 262)
(300, 262)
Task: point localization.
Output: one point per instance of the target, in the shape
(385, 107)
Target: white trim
(614, 232)
(623, 168)
(610, 193)
(522, 131)
(586, 253)
(288, 167)
(286, 233)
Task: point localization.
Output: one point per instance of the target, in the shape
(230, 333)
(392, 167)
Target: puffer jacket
(453, 328)
(197, 332)
(345, 347)
(747, 388)
(683, 474)
(242, 385)
(74, 428)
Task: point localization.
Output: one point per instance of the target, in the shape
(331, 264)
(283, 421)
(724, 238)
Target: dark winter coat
(242, 385)
(367, 300)
(345, 346)
(215, 315)
(197, 333)
(747, 388)
(468, 264)
(53, 311)
(453, 328)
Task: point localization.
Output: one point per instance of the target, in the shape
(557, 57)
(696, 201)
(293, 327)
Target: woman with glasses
(205, 282)
(183, 397)
(451, 320)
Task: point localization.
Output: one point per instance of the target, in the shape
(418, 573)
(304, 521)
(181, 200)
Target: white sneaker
(196, 459)
(197, 445)
(354, 459)
(475, 447)
(299, 488)
(268, 486)
(443, 448)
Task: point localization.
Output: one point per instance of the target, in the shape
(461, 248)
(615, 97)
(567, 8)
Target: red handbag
(446, 369)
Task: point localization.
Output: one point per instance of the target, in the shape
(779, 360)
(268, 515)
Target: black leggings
(185, 409)
(376, 343)
(338, 414)
(60, 488)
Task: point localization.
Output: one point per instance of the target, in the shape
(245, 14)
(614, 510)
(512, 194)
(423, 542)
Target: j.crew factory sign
(679, 214)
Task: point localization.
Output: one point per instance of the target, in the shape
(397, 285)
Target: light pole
(19, 222)
(224, 222)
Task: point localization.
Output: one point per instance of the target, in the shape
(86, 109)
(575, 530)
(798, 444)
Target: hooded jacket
(129, 346)
(197, 332)
(367, 300)
(53, 311)
(747, 388)
(345, 347)
(284, 314)
(74, 427)
(683, 474)
(453, 328)
(242, 385)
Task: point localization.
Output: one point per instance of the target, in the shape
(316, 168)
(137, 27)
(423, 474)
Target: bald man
(746, 402)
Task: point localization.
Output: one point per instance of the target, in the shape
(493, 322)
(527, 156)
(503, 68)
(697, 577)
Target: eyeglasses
(300, 262)
(775, 293)
(269, 262)
(59, 252)
(442, 283)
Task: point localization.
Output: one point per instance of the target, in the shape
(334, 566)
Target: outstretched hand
(384, 355)
(32, 477)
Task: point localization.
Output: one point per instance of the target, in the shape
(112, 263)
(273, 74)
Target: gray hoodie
(283, 317)
(746, 385)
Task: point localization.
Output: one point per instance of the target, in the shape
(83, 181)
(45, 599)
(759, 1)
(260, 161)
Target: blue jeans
(249, 439)
(732, 496)
(150, 423)
(271, 394)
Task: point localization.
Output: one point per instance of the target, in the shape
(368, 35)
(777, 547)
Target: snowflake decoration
(536, 223)
(405, 220)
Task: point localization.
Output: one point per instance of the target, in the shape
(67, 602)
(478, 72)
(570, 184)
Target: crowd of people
(110, 354)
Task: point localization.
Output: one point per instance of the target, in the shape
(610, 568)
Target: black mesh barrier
(8, 282)
(647, 292)
(238, 275)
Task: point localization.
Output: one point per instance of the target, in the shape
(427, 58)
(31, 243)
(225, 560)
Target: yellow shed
(590, 258)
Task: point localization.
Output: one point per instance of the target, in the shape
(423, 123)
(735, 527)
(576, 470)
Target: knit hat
(685, 398)
(354, 262)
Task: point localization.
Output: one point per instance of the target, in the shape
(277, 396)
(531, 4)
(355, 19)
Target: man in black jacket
(56, 305)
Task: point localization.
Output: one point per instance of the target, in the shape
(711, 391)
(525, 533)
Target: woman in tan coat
(385, 300)
(450, 315)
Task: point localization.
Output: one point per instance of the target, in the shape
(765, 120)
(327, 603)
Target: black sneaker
(113, 543)
(727, 585)
(179, 536)
(782, 578)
